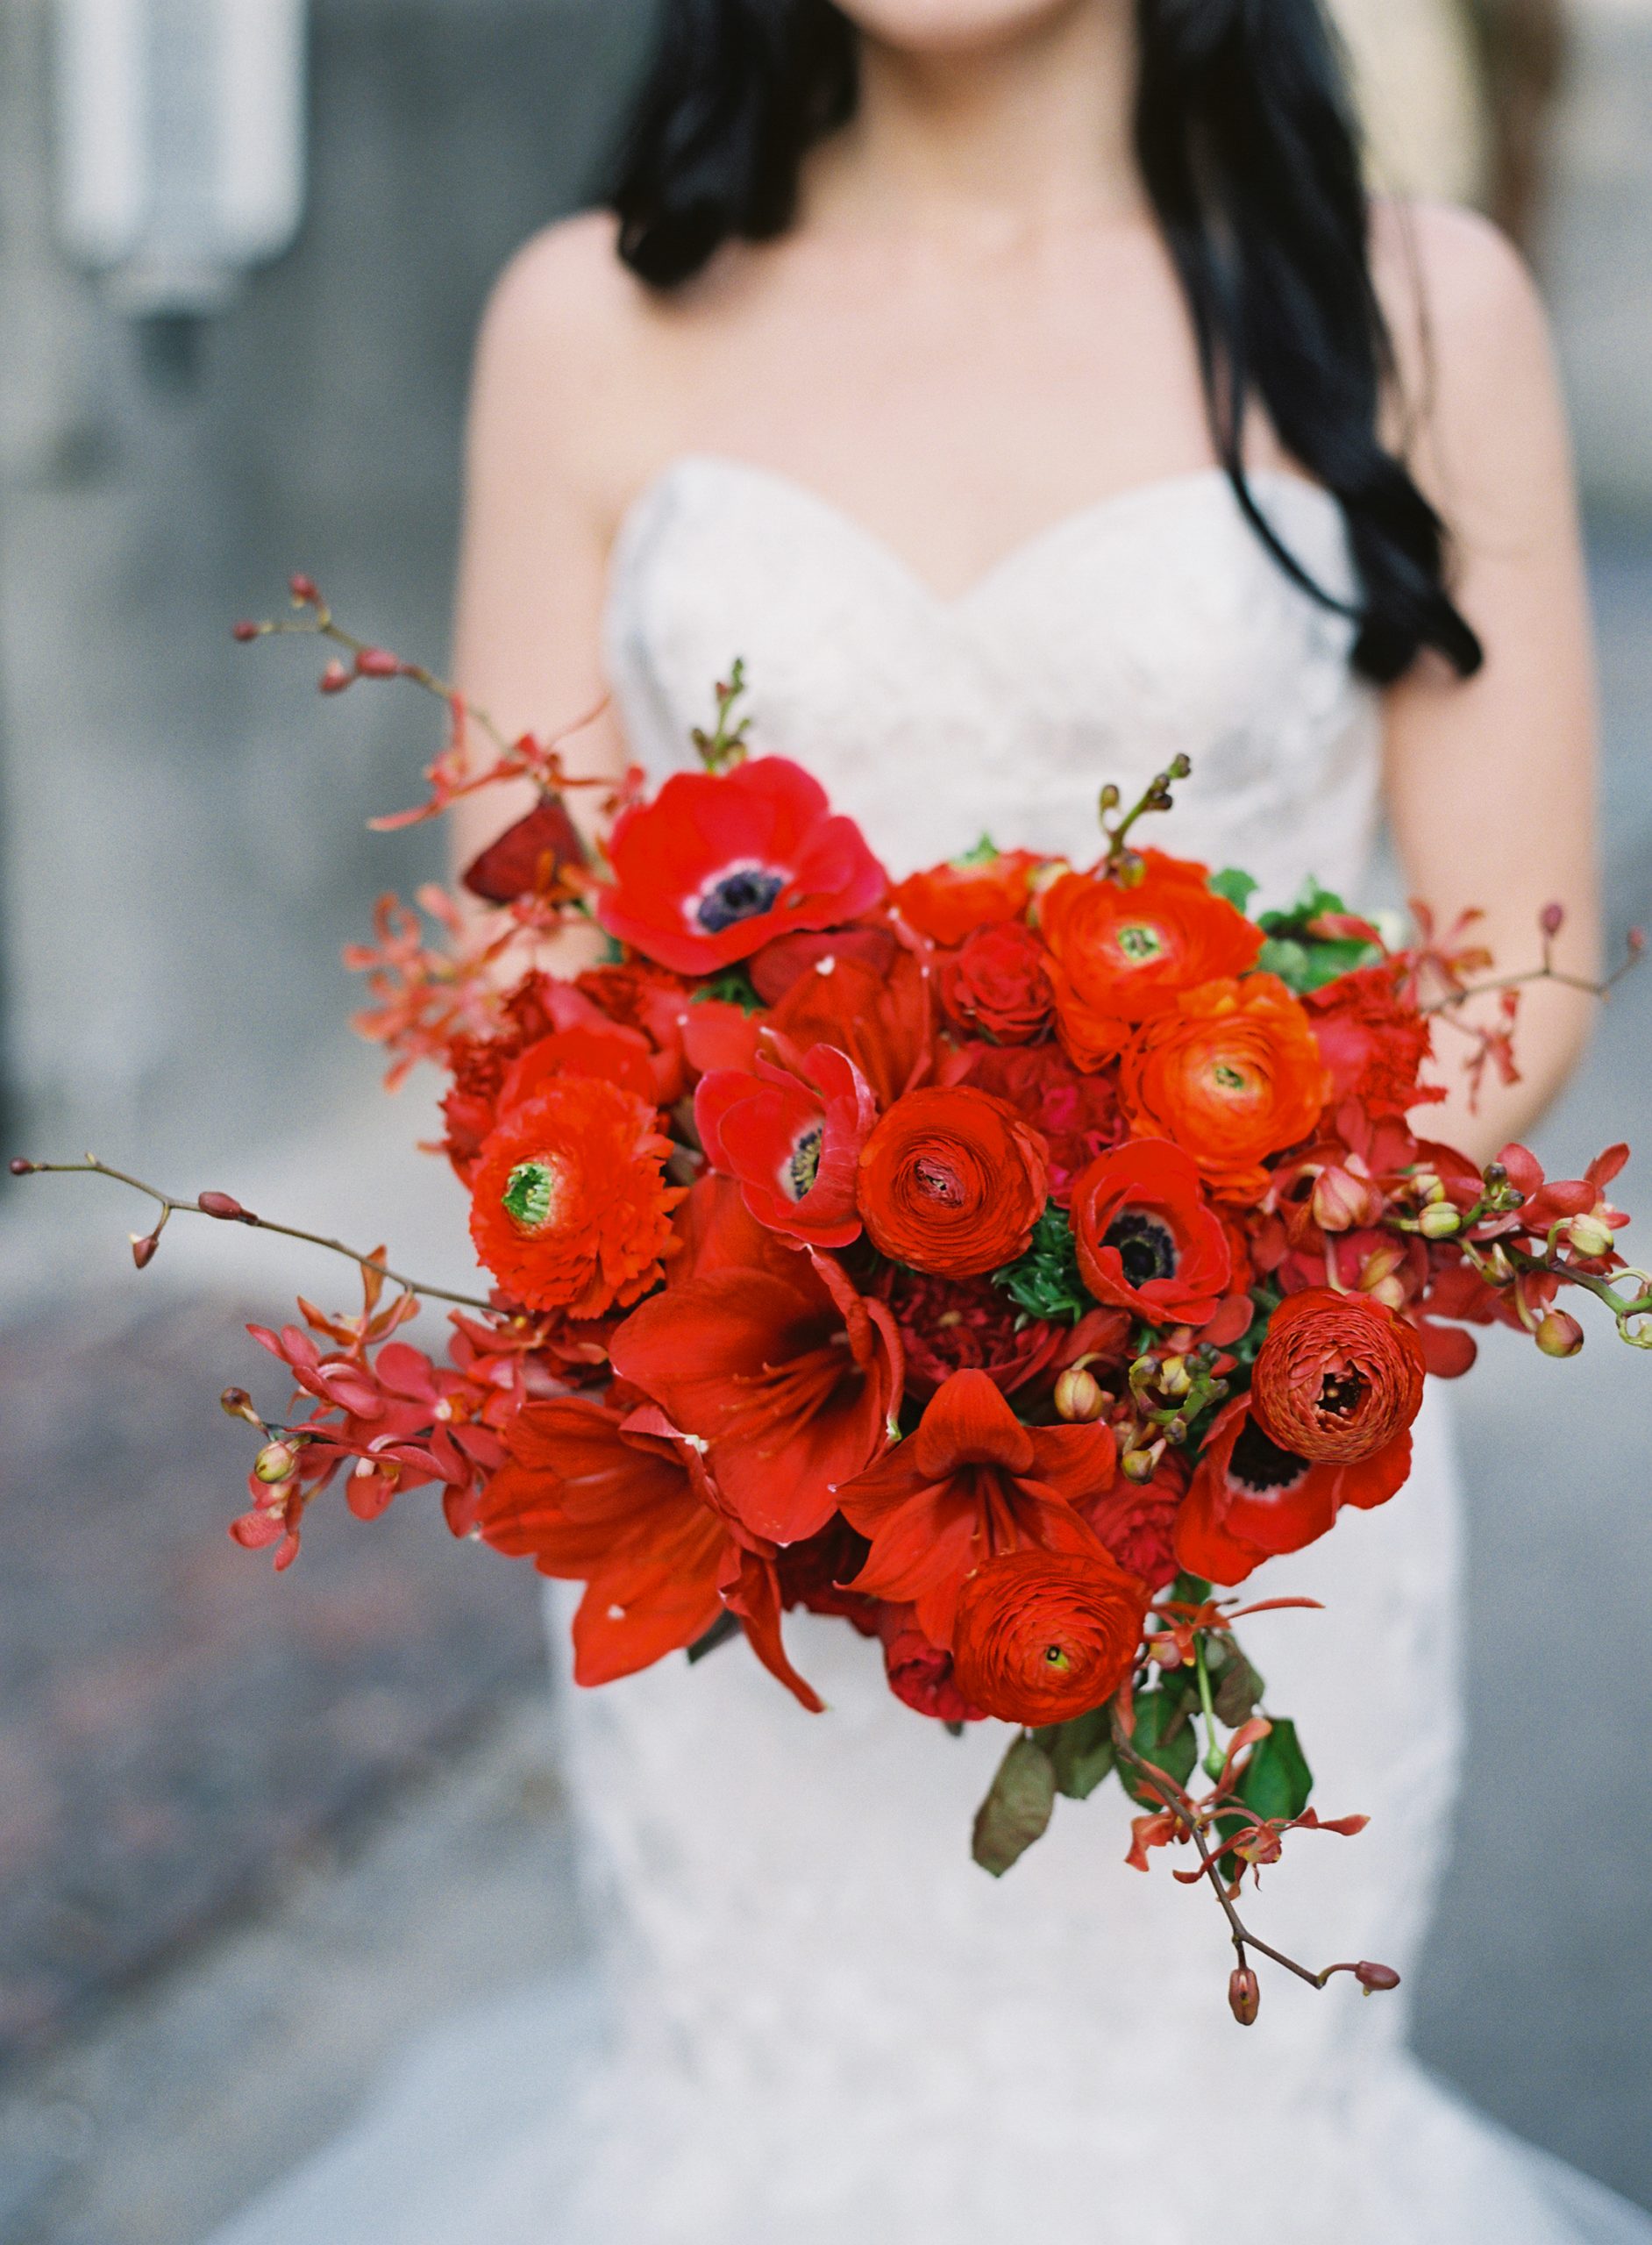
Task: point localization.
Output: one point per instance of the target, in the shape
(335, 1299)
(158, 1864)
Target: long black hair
(1250, 156)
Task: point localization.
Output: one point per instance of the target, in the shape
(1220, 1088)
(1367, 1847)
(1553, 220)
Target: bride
(1025, 390)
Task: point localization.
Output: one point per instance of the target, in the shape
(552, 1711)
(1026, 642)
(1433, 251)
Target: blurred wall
(184, 846)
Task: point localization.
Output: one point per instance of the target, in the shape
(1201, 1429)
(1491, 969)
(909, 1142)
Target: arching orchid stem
(1372, 1977)
(1156, 797)
(1445, 1008)
(171, 1204)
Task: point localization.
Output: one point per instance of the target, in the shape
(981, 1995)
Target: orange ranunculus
(570, 1209)
(1338, 1376)
(613, 1497)
(949, 902)
(971, 1482)
(1120, 955)
(1042, 1636)
(1232, 1076)
(952, 1182)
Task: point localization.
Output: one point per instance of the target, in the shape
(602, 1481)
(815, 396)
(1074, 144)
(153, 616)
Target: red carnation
(1251, 1500)
(949, 902)
(952, 1182)
(1076, 1115)
(971, 1482)
(1147, 1240)
(1136, 1521)
(998, 985)
(793, 1137)
(719, 865)
(949, 1325)
(1043, 1638)
(1338, 1376)
(1371, 1042)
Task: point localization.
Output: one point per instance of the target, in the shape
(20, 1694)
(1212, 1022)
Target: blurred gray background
(254, 1836)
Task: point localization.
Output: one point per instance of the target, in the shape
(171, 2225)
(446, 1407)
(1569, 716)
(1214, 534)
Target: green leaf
(1164, 1737)
(1278, 1782)
(1018, 1809)
(1312, 903)
(731, 987)
(1238, 1687)
(1045, 1281)
(1238, 888)
(1080, 1751)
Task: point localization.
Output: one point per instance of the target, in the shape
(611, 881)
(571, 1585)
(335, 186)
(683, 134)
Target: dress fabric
(816, 2022)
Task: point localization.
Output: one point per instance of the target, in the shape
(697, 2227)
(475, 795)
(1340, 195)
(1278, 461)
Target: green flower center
(533, 1194)
(1230, 1078)
(1139, 942)
(1055, 1657)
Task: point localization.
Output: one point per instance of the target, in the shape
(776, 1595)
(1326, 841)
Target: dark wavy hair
(1250, 155)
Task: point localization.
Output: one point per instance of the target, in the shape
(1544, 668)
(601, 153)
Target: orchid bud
(236, 1403)
(1559, 1335)
(224, 1206)
(1342, 1201)
(143, 1247)
(1390, 1292)
(1553, 920)
(21, 1166)
(1376, 1979)
(1174, 1377)
(1079, 1397)
(1428, 1187)
(1637, 941)
(277, 1461)
(1244, 1996)
(1439, 1221)
(335, 678)
(303, 590)
(1588, 1235)
(1382, 1263)
(1140, 1466)
(376, 662)
(244, 632)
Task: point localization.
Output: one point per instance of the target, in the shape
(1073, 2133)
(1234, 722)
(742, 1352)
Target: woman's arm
(1492, 782)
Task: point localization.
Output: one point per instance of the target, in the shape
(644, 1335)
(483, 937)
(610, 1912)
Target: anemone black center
(1146, 1246)
(1261, 1465)
(1340, 1394)
(804, 1166)
(743, 894)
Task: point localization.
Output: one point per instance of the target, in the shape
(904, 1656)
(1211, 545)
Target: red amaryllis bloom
(776, 969)
(618, 1056)
(1232, 1076)
(921, 1673)
(1338, 1376)
(951, 1325)
(1136, 1522)
(1043, 1638)
(1147, 1240)
(793, 1137)
(570, 1209)
(1123, 954)
(1251, 1500)
(971, 1482)
(782, 1371)
(1078, 1115)
(881, 1017)
(613, 1498)
(719, 865)
(948, 902)
(998, 985)
(1371, 1042)
(952, 1182)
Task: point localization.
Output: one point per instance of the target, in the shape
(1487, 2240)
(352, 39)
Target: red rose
(1338, 1376)
(793, 1137)
(971, 1482)
(1147, 1240)
(1077, 1116)
(1251, 1500)
(921, 1673)
(1044, 1636)
(998, 985)
(952, 1182)
(948, 902)
(719, 865)
(1372, 1042)
(1123, 954)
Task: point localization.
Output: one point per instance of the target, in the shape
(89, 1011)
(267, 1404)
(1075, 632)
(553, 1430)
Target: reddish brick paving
(176, 1724)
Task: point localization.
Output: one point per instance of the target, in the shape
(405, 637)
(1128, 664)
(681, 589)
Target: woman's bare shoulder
(565, 302)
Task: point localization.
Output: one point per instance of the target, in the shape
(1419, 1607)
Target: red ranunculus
(1123, 954)
(998, 984)
(610, 1496)
(1372, 1042)
(1338, 1376)
(948, 902)
(569, 1208)
(1043, 1638)
(971, 1482)
(952, 1182)
(1147, 1240)
(717, 866)
(1078, 1115)
(1251, 1500)
(792, 1135)
(781, 1368)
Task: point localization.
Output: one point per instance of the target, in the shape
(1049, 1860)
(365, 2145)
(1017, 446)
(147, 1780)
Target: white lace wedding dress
(819, 2022)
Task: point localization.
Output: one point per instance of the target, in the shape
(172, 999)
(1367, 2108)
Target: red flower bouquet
(1009, 1262)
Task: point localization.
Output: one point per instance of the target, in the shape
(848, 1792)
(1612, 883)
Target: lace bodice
(1151, 624)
